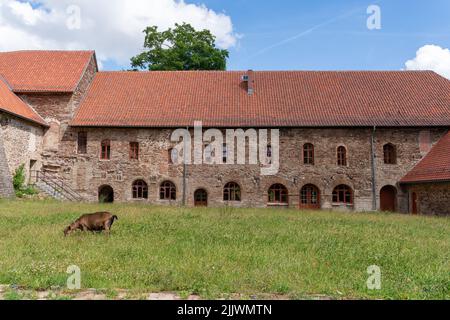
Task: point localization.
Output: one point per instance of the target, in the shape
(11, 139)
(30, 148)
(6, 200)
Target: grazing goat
(96, 222)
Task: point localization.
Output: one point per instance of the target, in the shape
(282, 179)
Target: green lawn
(215, 252)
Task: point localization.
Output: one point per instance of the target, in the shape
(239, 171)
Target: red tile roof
(281, 98)
(44, 71)
(434, 167)
(12, 104)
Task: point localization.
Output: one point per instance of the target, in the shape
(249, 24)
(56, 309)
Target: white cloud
(111, 27)
(431, 57)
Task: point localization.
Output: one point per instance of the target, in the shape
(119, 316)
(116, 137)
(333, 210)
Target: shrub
(19, 183)
(19, 178)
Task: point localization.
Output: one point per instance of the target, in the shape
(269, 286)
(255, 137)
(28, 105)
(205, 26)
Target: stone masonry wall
(432, 198)
(58, 110)
(22, 143)
(87, 173)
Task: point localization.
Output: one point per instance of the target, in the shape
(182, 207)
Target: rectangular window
(106, 150)
(224, 153)
(82, 142)
(134, 150)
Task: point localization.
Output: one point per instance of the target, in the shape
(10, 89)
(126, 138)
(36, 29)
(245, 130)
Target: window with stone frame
(140, 189)
(343, 194)
(308, 154)
(134, 150)
(278, 193)
(167, 191)
(390, 154)
(232, 192)
(82, 142)
(342, 156)
(105, 150)
(225, 153)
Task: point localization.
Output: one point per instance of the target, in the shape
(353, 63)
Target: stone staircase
(54, 187)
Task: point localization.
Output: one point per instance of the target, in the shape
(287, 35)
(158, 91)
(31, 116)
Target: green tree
(181, 48)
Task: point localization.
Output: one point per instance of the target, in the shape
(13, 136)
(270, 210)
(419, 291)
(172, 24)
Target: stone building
(347, 139)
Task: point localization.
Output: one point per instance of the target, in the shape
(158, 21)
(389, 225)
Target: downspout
(374, 181)
(185, 172)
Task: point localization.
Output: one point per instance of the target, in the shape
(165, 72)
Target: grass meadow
(215, 253)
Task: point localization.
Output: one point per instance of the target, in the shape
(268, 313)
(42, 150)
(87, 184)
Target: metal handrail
(57, 184)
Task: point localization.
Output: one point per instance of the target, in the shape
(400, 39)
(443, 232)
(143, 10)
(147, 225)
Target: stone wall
(58, 110)
(22, 141)
(432, 198)
(87, 172)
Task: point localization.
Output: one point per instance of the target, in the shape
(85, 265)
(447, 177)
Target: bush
(19, 178)
(19, 184)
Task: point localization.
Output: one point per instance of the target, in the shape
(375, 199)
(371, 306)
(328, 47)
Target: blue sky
(345, 44)
(260, 35)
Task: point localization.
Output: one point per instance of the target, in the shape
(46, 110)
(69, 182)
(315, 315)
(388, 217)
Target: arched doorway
(310, 197)
(388, 199)
(106, 194)
(201, 198)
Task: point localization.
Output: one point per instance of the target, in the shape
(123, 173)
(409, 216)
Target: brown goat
(96, 222)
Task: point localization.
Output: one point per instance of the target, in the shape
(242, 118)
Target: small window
(225, 153)
(106, 150)
(82, 142)
(342, 156)
(232, 192)
(308, 154)
(390, 154)
(167, 191)
(343, 195)
(140, 190)
(134, 150)
(278, 194)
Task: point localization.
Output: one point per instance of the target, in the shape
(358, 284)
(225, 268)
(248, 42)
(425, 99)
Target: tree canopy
(180, 48)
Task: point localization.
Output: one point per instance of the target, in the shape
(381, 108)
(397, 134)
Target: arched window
(167, 191)
(105, 150)
(278, 194)
(310, 197)
(342, 156)
(390, 154)
(308, 154)
(343, 194)
(232, 192)
(140, 189)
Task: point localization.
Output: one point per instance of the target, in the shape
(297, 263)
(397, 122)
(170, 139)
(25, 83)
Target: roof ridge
(266, 71)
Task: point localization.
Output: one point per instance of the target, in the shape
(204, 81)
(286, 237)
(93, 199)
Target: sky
(260, 35)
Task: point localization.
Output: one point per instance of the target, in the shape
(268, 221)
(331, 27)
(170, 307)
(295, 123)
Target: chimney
(249, 78)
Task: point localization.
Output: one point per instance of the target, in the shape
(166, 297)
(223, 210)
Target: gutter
(373, 159)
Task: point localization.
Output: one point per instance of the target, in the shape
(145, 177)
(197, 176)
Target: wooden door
(310, 197)
(388, 199)
(414, 203)
(201, 198)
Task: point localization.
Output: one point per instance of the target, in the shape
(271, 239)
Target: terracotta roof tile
(43, 71)
(12, 104)
(281, 98)
(435, 166)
